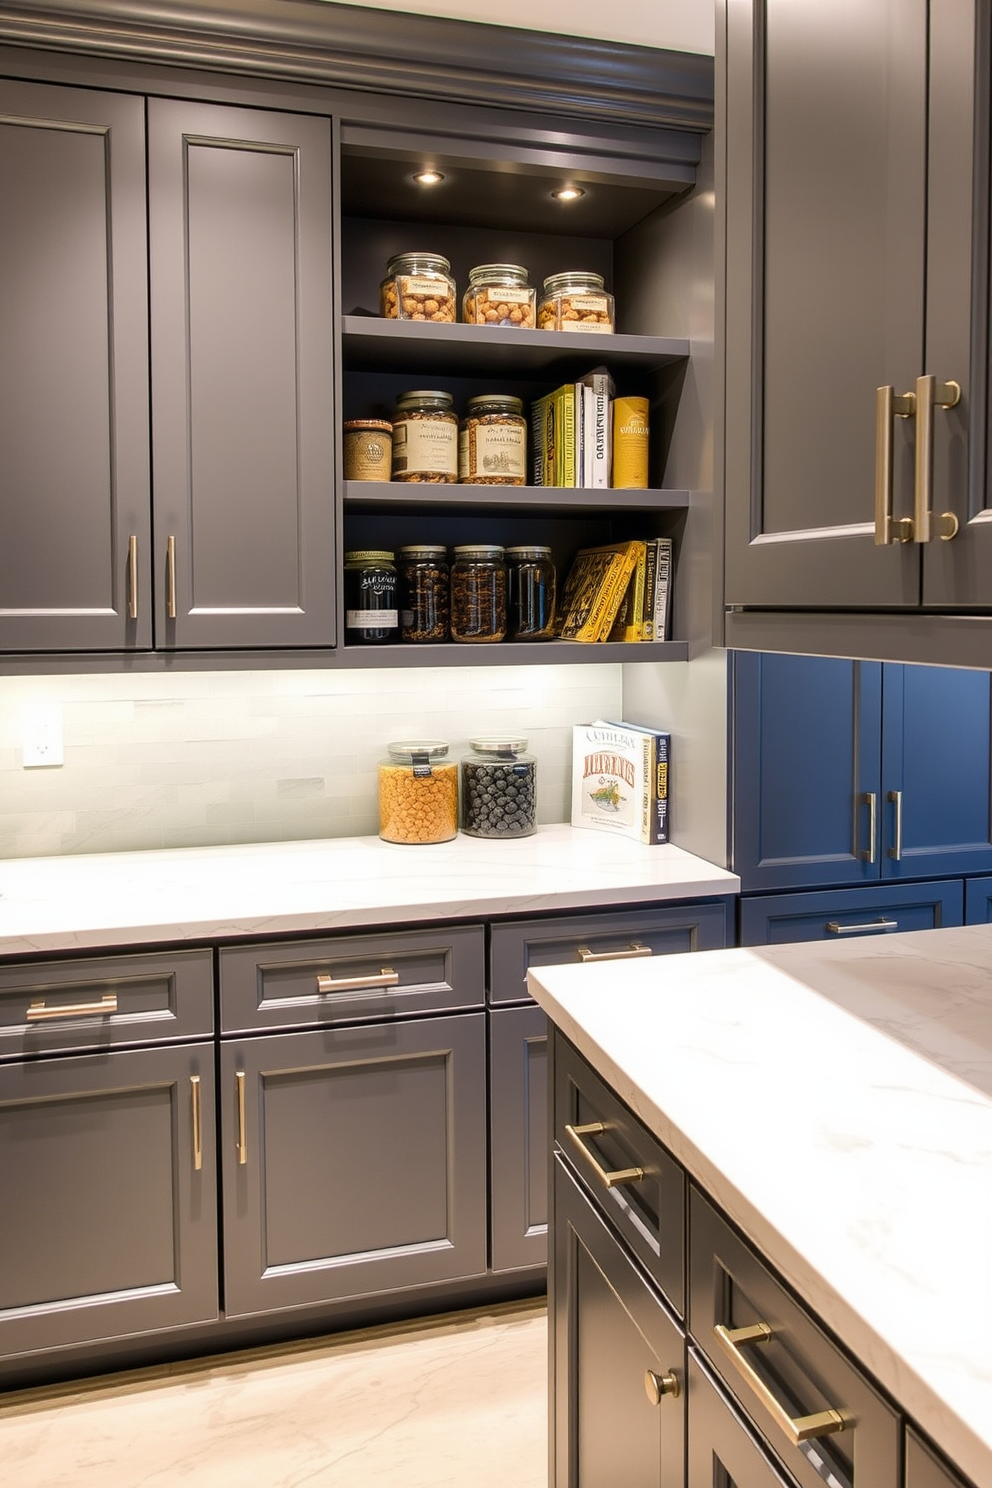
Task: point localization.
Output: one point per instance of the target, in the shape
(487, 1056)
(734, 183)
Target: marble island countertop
(120, 899)
(836, 1101)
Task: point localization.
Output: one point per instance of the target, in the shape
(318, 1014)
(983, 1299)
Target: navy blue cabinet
(849, 772)
(846, 914)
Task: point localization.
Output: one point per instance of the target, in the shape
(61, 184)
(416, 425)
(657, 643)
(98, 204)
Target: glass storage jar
(424, 580)
(368, 448)
(575, 300)
(499, 789)
(478, 593)
(492, 442)
(418, 793)
(499, 295)
(370, 614)
(418, 286)
(531, 585)
(425, 437)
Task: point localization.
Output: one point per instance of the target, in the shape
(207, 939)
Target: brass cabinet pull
(170, 578)
(37, 1011)
(930, 394)
(194, 1091)
(837, 929)
(657, 1386)
(387, 977)
(634, 949)
(895, 851)
(887, 407)
(869, 799)
(239, 1080)
(132, 577)
(607, 1179)
(797, 1429)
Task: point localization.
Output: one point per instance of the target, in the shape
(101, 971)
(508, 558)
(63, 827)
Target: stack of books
(571, 434)
(621, 779)
(618, 592)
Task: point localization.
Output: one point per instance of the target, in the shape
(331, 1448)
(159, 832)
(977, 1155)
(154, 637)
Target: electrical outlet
(41, 735)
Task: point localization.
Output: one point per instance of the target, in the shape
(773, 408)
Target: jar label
(589, 304)
(437, 289)
(426, 445)
(502, 296)
(500, 450)
(370, 619)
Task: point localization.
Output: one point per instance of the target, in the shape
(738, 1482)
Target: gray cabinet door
(518, 1130)
(75, 561)
(108, 1225)
(242, 419)
(354, 1161)
(825, 175)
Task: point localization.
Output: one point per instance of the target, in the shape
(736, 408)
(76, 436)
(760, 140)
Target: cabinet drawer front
(517, 945)
(788, 1371)
(924, 1469)
(601, 1142)
(843, 914)
(55, 1007)
(301, 984)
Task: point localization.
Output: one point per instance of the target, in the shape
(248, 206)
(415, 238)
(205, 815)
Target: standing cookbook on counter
(620, 779)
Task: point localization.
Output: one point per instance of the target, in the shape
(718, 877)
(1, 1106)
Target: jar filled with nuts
(492, 442)
(575, 301)
(425, 437)
(418, 793)
(499, 295)
(499, 789)
(423, 571)
(418, 286)
(478, 593)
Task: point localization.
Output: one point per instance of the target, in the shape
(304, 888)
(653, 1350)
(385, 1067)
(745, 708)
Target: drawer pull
(194, 1090)
(869, 799)
(798, 1429)
(37, 1011)
(837, 929)
(239, 1080)
(895, 851)
(634, 949)
(657, 1386)
(387, 977)
(606, 1178)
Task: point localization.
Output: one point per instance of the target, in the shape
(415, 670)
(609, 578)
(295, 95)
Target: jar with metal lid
(418, 286)
(418, 793)
(531, 585)
(424, 580)
(370, 614)
(425, 437)
(478, 593)
(575, 301)
(368, 450)
(499, 789)
(492, 442)
(499, 295)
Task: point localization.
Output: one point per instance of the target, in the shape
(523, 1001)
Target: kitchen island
(835, 1101)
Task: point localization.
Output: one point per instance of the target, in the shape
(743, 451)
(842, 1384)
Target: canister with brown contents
(418, 286)
(418, 793)
(575, 300)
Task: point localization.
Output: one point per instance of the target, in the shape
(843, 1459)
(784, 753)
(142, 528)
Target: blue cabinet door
(847, 914)
(978, 901)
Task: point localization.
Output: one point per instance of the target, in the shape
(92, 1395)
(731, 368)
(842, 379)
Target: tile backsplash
(202, 758)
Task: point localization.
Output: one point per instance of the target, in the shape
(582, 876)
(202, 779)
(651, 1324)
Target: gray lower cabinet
(108, 1225)
(924, 1469)
(722, 1449)
(518, 1137)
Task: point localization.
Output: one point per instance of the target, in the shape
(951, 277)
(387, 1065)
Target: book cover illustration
(620, 779)
(594, 591)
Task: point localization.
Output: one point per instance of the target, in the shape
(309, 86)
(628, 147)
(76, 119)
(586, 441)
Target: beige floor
(456, 1402)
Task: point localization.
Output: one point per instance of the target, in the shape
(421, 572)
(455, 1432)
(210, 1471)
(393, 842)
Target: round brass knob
(951, 526)
(656, 1386)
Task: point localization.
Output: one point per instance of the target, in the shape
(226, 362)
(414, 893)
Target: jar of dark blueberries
(499, 789)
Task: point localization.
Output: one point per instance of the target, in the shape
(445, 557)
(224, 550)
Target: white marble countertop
(121, 899)
(836, 1100)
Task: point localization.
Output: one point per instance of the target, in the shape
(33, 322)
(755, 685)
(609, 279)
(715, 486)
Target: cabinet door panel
(241, 375)
(73, 370)
(722, 1449)
(518, 1157)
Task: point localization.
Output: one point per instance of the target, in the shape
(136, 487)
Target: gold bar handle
(634, 949)
(887, 407)
(239, 1080)
(387, 977)
(38, 1013)
(170, 578)
(895, 851)
(797, 1429)
(132, 577)
(837, 929)
(930, 394)
(194, 1092)
(607, 1178)
(657, 1386)
(870, 800)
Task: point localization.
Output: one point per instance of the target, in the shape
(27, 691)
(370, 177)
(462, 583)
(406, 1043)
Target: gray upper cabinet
(75, 561)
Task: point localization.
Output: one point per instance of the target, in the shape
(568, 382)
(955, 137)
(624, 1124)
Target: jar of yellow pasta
(418, 793)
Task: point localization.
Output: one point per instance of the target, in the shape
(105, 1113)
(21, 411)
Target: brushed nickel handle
(607, 1178)
(657, 1386)
(881, 924)
(797, 1428)
(38, 1012)
(895, 851)
(930, 394)
(889, 405)
(132, 577)
(194, 1091)
(870, 800)
(387, 977)
(634, 949)
(239, 1080)
(170, 578)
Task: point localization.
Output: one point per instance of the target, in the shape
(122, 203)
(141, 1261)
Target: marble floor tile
(453, 1402)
